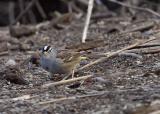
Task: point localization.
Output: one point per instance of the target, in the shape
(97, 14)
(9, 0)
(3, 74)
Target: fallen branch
(99, 93)
(73, 97)
(144, 51)
(140, 27)
(56, 100)
(24, 97)
(40, 9)
(146, 46)
(4, 53)
(30, 5)
(115, 53)
(134, 7)
(152, 52)
(66, 81)
(89, 12)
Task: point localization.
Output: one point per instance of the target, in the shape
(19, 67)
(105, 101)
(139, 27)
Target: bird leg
(70, 74)
(73, 71)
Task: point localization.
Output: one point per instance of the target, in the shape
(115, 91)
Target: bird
(56, 65)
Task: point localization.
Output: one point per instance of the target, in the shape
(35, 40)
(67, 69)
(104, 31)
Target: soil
(123, 84)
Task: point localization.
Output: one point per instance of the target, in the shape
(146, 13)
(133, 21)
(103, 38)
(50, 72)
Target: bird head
(47, 51)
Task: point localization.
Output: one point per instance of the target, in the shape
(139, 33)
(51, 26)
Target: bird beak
(40, 52)
(45, 53)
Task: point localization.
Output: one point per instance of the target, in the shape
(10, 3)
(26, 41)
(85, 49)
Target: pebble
(10, 62)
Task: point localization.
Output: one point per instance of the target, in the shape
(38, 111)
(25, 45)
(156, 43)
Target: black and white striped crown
(46, 49)
(49, 51)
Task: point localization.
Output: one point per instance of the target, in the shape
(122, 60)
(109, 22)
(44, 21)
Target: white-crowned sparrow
(51, 63)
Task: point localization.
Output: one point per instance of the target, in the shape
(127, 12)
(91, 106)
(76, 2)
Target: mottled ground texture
(128, 83)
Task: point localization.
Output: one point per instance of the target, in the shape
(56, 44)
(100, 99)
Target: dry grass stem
(89, 13)
(66, 81)
(24, 97)
(4, 53)
(115, 53)
(135, 7)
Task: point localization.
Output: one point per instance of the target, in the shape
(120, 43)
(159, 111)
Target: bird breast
(52, 65)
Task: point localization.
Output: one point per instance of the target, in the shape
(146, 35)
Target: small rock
(24, 47)
(14, 75)
(23, 30)
(3, 47)
(11, 62)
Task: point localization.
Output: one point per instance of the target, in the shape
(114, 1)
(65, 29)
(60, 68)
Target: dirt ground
(127, 83)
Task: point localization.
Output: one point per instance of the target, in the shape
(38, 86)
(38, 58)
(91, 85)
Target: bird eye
(41, 50)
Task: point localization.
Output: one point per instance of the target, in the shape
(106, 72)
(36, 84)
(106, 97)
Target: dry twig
(24, 97)
(56, 100)
(89, 12)
(95, 94)
(137, 8)
(73, 97)
(115, 53)
(4, 53)
(144, 51)
(30, 5)
(66, 81)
